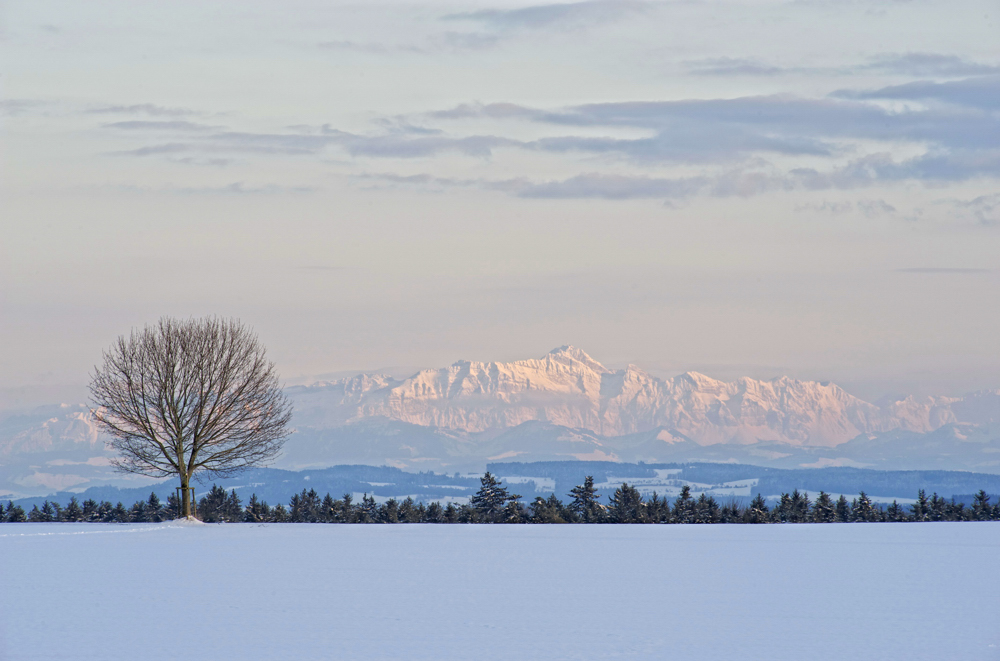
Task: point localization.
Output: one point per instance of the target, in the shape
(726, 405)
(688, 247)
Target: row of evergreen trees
(493, 503)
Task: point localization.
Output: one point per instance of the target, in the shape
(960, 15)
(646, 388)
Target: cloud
(984, 209)
(567, 15)
(235, 188)
(141, 109)
(367, 47)
(732, 66)
(18, 107)
(982, 92)
(869, 208)
(172, 125)
(928, 64)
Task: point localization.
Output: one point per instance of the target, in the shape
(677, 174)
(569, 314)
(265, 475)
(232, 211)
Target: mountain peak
(569, 352)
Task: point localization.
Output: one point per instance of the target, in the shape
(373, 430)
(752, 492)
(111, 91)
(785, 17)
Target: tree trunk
(185, 497)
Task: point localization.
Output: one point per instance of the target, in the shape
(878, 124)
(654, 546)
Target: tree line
(493, 503)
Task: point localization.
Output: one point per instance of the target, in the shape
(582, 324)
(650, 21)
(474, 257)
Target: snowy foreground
(300, 591)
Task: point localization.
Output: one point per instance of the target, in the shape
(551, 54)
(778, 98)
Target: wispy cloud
(235, 188)
(171, 125)
(149, 109)
(984, 209)
(978, 92)
(568, 15)
(928, 64)
(869, 208)
(18, 107)
(732, 66)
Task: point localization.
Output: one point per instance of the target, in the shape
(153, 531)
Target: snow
(301, 591)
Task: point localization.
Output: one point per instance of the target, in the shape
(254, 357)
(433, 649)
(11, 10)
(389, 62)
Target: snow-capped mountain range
(567, 387)
(564, 405)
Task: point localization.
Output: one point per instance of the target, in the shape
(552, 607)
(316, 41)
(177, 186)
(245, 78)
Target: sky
(805, 188)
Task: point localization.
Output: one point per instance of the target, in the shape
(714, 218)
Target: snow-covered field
(734, 592)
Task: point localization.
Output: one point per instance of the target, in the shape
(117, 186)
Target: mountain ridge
(569, 388)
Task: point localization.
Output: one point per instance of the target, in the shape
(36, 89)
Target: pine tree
(435, 513)
(981, 510)
(328, 509)
(823, 510)
(389, 512)
(212, 506)
(256, 511)
(409, 512)
(758, 511)
(90, 510)
(626, 505)
(921, 509)
(105, 512)
(450, 513)
(119, 514)
(684, 506)
(585, 500)
(15, 513)
(706, 510)
(491, 499)
(73, 511)
(938, 509)
(843, 510)
(154, 509)
(279, 514)
(48, 512)
(138, 512)
(349, 512)
(863, 510)
(173, 508)
(233, 509)
(895, 512)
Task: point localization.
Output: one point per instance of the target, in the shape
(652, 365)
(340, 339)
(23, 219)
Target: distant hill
(722, 481)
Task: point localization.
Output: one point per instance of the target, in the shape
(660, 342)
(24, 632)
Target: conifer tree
(895, 512)
(138, 512)
(450, 513)
(758, 511)
(328, 509)
(684, 506)
(119, 514)
(626, 505)
(862, 509)
(491, 499)
(90, 510)
(435, 513)
(154, 509)
(279, 514)
(823, 510)
(409, 512)
(349, 512)
(921, 509)
(938, 508)
(48, 512)
(706, 510)
(585, 500)
(981, 510)
(389, 512)
(212, 506)
(256, 511)
(73, 511)
(15, 513)
(843, 510)
(173, 507)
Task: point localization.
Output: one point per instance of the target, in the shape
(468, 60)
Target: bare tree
(180, 397)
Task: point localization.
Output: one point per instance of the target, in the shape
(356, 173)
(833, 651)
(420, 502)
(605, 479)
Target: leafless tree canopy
(187, 396)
